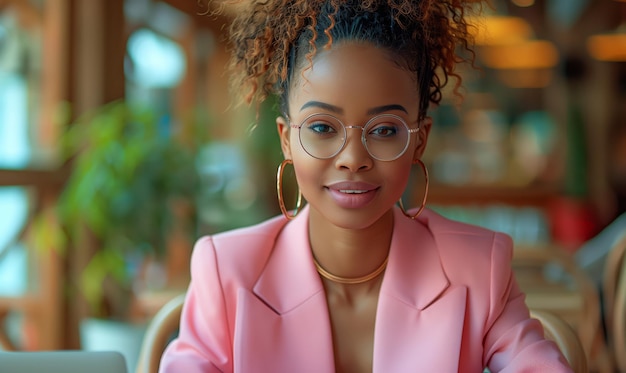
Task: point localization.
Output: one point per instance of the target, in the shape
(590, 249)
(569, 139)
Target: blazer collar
(287, 314)
(290, 277)
(419, 314)
(413, 262)
(416, 318)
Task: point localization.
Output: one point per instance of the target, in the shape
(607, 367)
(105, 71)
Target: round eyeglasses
(385, 137)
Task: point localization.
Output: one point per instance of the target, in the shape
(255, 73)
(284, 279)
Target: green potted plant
(132, 188)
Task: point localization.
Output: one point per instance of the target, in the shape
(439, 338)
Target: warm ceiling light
(498, 30)
(531, 54)
(608, 47)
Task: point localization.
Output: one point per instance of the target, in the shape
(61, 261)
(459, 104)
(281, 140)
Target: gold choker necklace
(347, 280)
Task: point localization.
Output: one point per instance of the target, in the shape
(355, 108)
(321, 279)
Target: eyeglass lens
(386, 136)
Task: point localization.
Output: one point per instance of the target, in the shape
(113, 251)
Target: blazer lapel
(286, 313)
(419, 315)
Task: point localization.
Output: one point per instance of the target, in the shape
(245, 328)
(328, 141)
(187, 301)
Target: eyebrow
(322, 105)
(338, 110)
(385, 108)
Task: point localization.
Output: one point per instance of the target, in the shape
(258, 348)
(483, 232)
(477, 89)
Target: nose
(354, 157)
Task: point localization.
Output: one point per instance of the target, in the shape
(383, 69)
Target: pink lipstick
(352, 194)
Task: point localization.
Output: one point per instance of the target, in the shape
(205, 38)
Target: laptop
(73, 361)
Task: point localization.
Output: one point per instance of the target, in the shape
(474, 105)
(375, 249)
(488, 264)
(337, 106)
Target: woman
(354, 283)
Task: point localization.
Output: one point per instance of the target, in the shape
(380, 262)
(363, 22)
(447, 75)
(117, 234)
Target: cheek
(307, 176)
(399, 176)
(304, 166)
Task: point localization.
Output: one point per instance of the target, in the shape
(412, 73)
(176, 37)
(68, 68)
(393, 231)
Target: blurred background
(120, 144)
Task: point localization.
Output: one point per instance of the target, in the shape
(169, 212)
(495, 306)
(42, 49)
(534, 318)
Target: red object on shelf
(572, 222)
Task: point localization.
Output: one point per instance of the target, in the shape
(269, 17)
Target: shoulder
(248, 237)
(243, 238)
(467, 248)
(442, 224)
(459, 234)
(241, 251)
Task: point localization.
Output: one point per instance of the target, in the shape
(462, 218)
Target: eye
(320, 127)
(383, 130)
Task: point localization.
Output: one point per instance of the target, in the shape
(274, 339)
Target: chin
(354, 219)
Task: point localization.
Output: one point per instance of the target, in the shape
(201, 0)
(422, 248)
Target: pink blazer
(448, 303)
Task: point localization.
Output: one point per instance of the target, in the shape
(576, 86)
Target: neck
(350, 253)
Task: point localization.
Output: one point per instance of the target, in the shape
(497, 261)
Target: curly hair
(271, 40)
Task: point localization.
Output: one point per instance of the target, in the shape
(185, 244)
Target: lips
(352, 194)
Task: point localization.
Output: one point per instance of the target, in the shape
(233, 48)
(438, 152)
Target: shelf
(36, 178)
(539, 196)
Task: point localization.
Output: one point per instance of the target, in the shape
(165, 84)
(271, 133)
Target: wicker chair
(163, 326)
(618, 324)
(612, 296)
(559, 331)
(576, 301)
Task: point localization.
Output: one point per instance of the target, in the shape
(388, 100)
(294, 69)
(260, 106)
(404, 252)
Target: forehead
(354, 76)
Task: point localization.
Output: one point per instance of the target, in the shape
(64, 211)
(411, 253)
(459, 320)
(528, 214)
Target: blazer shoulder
(258, 234)
(441, 224)
(462, 239)
(239, 252)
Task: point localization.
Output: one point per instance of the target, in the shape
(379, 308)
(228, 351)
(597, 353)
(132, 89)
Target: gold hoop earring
(279, 191)
(423, 205)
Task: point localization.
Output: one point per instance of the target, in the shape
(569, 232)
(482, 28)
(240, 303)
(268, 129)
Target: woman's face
(353, 82)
